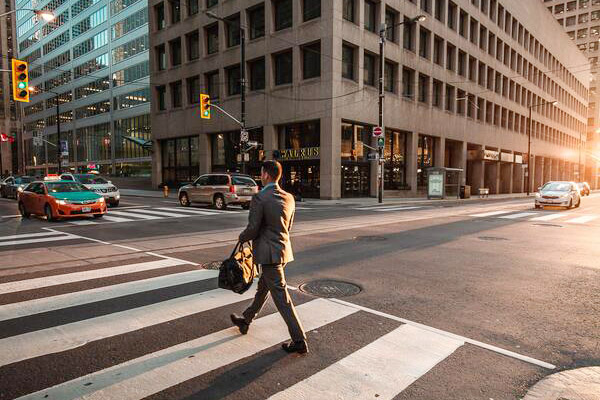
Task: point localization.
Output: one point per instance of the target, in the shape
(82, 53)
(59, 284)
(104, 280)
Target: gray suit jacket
(269, 224)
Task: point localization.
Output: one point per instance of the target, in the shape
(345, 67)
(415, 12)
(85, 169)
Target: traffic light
(205, 106)
(20, 76)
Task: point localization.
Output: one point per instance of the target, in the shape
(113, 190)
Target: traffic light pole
(243, 132)
(382, 33)
(58, 147)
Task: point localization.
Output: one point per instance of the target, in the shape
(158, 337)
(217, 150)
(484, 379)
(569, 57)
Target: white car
(558, 194)
(97, 184)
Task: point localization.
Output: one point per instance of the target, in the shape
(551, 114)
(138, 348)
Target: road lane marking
(188, 210)
(64, 236)
(382, 369)
(582, 220)
(70, 336)
(518, 215)
(158, 371)
(159, 213)
(492, 213)
(395, 209)
(31, 235)
(46, 281)
(116, 219)
(548, 217)
(134, 214)
(36, 306)
(82, 222)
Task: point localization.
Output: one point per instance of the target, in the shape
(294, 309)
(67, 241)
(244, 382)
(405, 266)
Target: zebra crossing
(154, 213)
(540, 216)
(389, 208)
(37, 237)
(78, 326)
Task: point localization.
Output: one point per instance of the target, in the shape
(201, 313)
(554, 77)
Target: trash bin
(465, 192)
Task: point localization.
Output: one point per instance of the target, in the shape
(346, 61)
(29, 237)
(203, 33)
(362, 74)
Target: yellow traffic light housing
(205, 106)
(20, 77)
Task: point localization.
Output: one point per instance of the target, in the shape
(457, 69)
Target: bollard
(165, 191)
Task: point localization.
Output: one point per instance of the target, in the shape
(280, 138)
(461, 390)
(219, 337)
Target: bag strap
(239, 246)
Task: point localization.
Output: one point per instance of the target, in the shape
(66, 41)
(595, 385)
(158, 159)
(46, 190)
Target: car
(13, 185)
(220, 190)
(558, 194)
(60, 199)
(97, 184)
(584, 188)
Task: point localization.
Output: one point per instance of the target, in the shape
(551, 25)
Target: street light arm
(418, 18)
(46, 15)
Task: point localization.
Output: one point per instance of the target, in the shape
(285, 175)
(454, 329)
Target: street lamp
(382, 35)
(46, 15)
(554, 102)
(243, 132)
(58, 141)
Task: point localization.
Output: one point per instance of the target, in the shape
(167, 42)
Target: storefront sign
(486, 155)
(506, 157)
(306, 153)
(518, 159)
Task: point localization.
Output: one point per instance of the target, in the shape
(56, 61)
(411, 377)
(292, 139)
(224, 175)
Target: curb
(575, 384)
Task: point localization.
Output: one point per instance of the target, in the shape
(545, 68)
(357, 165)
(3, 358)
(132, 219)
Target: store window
(355, 166)
(425, 157)
(395, 160)
(180, 160)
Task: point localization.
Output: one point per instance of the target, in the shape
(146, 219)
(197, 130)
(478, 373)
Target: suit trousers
(272, 280)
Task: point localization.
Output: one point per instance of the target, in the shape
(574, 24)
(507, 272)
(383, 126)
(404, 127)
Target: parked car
(560, 194)
(220, 190)
(98, 184)
(60, 199)
(12, 185)
(584, 188)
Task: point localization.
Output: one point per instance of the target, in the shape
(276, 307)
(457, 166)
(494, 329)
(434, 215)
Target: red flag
(4, 137)
(11, 139)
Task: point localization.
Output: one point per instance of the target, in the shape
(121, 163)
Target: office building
(581, 20)
(91, 61)
(458, 89)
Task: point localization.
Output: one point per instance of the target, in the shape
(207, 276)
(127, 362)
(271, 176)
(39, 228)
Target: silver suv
(220, 190)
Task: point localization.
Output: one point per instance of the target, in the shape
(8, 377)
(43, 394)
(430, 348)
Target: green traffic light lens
(22, 85)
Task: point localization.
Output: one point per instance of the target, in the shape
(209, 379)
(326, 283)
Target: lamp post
(243, 132)
(531, 107)
(382, 36)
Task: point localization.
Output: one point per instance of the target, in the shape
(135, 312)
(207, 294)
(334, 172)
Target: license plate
(86, 209)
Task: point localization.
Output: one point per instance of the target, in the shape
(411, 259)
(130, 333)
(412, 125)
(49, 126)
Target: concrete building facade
(581, 20)
(92, 61)
(9, 126)
(458, 87)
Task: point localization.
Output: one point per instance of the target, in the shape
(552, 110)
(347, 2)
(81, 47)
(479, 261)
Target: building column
(461, 156)
(556, 170)
(270, 141)
(492, 175)
(411, 159)
(477, 173)
(539, 173)
(204, 154)
(506, 177)
(157, 177)
(547, 170)
(331, 158)
(440, 152)
(518, 178)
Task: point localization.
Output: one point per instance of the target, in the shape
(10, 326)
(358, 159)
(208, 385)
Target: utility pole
(243, 133)
(59, 145)
(382, 33)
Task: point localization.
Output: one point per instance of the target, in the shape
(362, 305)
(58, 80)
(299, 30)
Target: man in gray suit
(269, 224)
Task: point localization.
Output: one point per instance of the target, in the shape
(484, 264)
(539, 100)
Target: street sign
(381, 142)
(64, 148)
(244, 137)
(373, 156)
(377, 132)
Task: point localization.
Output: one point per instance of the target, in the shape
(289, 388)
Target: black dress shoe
(295, 347)
(241, 323)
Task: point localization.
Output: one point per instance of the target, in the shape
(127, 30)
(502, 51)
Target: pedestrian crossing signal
(205, 106)
(20, 80)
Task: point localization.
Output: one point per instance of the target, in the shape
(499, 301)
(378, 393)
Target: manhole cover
(491, 238)
(370, 238)
(330, 288)
(551, 225)
(212, 265)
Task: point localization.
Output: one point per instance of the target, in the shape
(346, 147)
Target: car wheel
(48, 213)
(246, 206)
(23, 211)
(98, 216)
(578, 203)
(184, 200)
(219, 202)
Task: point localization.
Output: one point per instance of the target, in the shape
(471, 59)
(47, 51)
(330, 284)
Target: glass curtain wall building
(92, 62)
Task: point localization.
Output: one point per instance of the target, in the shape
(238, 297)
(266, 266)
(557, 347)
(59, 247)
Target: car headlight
(63, 202)
(538, 195)
(20, 189)
(101, 200)
(564, 196)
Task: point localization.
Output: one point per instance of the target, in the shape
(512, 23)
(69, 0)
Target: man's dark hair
(273, 169)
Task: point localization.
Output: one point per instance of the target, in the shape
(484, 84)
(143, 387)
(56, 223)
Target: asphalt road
(475, 301)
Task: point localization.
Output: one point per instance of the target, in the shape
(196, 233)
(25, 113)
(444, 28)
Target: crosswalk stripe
(582, 220)
(155, 372)
(30, 235)
(492, 213)
(70, 336)
(36, 306)
(548, 217)
(188, 210)
(134, 214)
(46, 281)
(160, 213)
(378, 208)
(396, 209)
(401, 357)
(518, 215)
(116, 219)
(82, 222)
(38, 240)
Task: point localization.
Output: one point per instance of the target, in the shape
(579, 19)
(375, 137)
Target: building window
(450, 98)
(408, 83)
(311, 60)
(438, 50)
(347, 62)
(426, 6)
(212, 86)
(283, 67)
(389, 79)
(175, 48)
(134, 21)
(312, 9)
(130, 74)
(161, 57)
(193, 45)
(391, 20)
(369, 69)
(193, 7)
(232, 26)
(256, 16)
(370, 16)
(211, 3)
(424, 43)
(212, 38)
(462, 63)
(409, 35)
(423, 88)
(175, 11)
(176, 94)
(130, 49)
(437, 93)
(450, 57)
(257, 74)
(283, 14)
(193, 89)
(233, 80)
(132, 99)
(348, 10)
